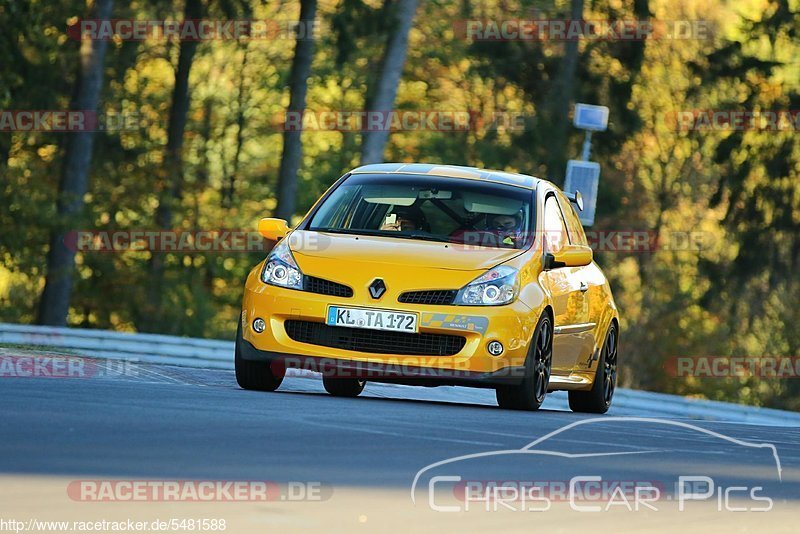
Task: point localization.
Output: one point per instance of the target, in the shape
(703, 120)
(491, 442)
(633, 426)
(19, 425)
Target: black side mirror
(550, 262)
(577, 199)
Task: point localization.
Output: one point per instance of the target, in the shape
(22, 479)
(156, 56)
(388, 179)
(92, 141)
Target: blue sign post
(584, 175)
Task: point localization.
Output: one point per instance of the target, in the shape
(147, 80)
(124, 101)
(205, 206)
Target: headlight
(281, 269)
(493, 288)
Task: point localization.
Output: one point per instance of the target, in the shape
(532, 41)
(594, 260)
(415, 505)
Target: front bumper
(512, 325)
(379, 371)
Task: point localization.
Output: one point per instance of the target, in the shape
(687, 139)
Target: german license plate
(372, 319)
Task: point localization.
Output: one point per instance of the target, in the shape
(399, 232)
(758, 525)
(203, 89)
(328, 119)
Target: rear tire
(531, 392)
(254, 375)
(343, 387)
(598, 399)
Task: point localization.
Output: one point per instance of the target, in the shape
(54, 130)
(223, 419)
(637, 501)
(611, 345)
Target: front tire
(531, 392)
(343, 387)
(598, 399)
(254, 375)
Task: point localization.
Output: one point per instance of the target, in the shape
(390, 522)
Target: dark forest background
(205, 153)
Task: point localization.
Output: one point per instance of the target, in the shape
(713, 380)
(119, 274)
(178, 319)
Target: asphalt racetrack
(358, 458)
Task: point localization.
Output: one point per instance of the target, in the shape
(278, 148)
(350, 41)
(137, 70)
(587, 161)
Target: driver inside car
(507, 228)
(402, 220)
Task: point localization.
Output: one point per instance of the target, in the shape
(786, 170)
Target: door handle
(584, 287)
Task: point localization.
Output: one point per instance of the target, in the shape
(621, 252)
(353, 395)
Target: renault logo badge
(377, 288)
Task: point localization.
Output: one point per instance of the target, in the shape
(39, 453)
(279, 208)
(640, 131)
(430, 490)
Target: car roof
(452, 171)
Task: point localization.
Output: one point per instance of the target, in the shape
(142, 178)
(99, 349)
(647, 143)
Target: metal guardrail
(152, 348)
(217, 354)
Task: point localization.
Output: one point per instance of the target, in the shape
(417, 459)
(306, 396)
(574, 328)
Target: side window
(576, 234)
(555, 233)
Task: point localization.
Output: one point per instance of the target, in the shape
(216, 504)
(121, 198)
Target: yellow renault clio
(434, 275)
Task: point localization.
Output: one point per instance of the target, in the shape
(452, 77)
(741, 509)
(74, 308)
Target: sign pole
(587, 145)
(584, 175)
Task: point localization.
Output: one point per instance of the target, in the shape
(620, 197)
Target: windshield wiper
(425, 237)
(384, 233)
(347, 231)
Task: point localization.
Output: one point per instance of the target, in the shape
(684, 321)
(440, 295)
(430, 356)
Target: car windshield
(450, 210)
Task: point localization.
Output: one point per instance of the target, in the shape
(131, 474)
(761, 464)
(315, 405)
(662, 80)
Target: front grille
(313, 284)
(374, 341)
(437, 296)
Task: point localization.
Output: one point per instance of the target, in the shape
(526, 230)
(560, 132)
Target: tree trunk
(5, 150)
(298, 87)
(394, 58)
(177, 122)
(561, 96)
(73, 183)
(171, 182)
(229, 191)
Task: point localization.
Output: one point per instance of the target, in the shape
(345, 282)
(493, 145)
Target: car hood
(348, 250)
